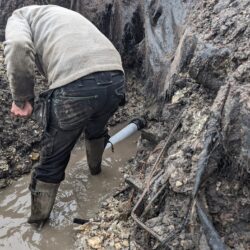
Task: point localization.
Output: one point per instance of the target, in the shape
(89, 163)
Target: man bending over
(86, 85)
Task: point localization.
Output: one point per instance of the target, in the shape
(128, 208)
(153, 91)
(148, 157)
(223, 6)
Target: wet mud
(193, 60)
(80, 195)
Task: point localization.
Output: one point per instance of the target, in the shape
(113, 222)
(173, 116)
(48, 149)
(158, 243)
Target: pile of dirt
(191, 177)
(204, 170)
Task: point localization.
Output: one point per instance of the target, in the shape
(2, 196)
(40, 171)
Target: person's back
(64, 44)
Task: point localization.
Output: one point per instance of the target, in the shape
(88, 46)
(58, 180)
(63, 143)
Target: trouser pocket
(40, 113)
(71, 112)
(120, 92)
(42, 109)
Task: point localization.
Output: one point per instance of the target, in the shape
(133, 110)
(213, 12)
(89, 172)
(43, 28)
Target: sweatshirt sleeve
(19, 57)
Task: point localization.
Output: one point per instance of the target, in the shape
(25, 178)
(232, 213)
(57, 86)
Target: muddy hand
(26, 111)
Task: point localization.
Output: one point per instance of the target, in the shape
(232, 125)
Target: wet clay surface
(79, 196)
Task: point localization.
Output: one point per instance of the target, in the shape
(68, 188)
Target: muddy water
(79, 196)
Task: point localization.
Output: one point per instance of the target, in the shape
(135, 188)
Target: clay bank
(188, 185)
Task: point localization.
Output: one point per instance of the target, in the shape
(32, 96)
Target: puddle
(79, 196)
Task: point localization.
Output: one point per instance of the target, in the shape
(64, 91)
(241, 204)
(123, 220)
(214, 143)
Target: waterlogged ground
(79, 196)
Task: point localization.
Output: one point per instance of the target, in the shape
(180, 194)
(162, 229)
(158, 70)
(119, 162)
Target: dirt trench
(191, 59)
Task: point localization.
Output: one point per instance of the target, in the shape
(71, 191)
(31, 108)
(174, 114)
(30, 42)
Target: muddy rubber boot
(94, 151)
(42, 200)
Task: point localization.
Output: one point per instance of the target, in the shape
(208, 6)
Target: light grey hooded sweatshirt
(63, 44)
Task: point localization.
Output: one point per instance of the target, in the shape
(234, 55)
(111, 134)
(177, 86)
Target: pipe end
(139, 122)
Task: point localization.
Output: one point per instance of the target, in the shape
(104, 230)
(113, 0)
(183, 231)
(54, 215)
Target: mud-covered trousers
(83, 105)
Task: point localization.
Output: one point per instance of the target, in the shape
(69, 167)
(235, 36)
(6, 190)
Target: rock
(34, 156)
(178, 184)
(118, 246)
(125, 243)
(95, 242)
(178, 96)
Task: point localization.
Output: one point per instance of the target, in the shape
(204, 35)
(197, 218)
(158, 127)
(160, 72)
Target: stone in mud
(125, 243)
(95, 242)
(110, 234)
(118, 246)
(178, 184)
(34, 156)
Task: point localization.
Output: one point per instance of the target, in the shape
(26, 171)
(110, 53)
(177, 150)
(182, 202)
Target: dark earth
(188, 72)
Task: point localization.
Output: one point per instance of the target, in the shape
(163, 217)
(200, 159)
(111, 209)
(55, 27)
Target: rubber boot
(94, 152)
(42, 200)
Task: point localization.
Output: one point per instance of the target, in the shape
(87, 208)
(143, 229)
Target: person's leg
(55, 154)
(95, 144)
(66, 118)
(72, 107)
(49, 172)
(96, 133)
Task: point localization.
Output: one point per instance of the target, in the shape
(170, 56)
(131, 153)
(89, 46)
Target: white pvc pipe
(122, 134)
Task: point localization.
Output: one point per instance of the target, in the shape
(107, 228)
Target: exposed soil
(190, 60)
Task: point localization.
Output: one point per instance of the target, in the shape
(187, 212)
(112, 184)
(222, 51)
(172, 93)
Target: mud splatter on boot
(42, 200)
